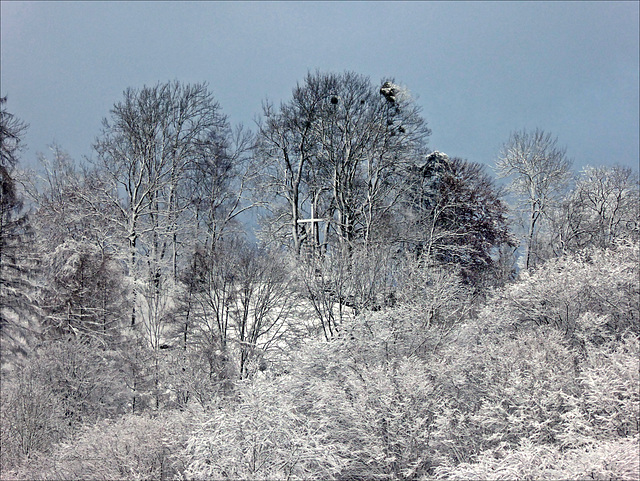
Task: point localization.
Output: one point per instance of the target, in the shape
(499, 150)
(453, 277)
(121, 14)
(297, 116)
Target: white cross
(313, 222)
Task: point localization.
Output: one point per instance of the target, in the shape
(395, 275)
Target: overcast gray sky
(479, 70)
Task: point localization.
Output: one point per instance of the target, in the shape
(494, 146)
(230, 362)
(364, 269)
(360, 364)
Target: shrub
(605, 460)
(133, 447)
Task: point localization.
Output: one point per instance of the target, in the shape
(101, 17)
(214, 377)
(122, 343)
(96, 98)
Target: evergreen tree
(16, 293)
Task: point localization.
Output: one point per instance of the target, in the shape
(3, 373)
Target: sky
(478, 70)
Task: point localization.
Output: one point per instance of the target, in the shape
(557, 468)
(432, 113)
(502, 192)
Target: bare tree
(217, 186)
(324, 282)
(240, 302)
(153, 139)
(540, 172)
(338, 149)
(344, 283)
(286, 145)
(262, 305)
(211, 305)
(158, 142)
(603, 207)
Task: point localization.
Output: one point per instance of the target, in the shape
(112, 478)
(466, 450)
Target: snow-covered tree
(83, 291)
(454, 215)
(603, 208)
(540, 172)
(237, 308)
(17, 293)
(589, 295)
(337, 149)
(147, 149)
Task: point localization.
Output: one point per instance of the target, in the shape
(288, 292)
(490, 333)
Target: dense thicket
(381, 328)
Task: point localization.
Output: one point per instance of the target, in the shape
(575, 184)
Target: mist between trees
(388, 316)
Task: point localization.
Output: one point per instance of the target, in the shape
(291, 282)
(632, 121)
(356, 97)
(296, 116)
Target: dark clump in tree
(389, 91)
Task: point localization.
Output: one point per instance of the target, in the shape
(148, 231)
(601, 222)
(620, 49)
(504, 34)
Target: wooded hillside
(321, 297)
